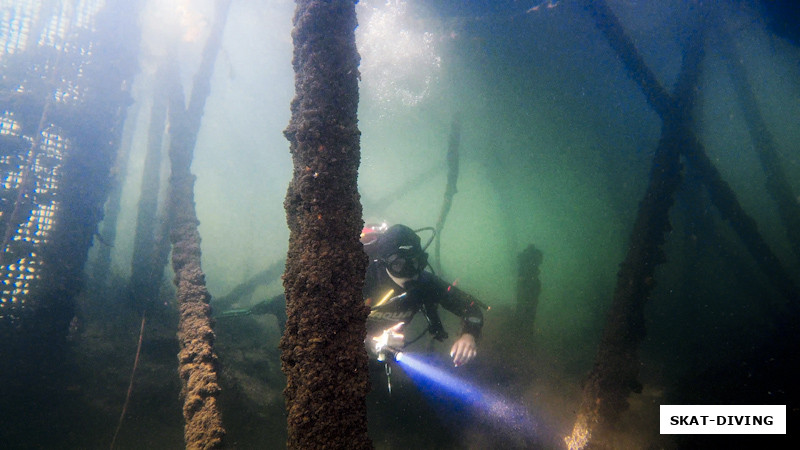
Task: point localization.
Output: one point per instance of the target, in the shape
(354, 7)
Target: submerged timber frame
(66, 72)
(60, 131)
(615, 372)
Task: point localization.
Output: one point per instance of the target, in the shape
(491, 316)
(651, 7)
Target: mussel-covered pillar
(198, 364)
(323, 353)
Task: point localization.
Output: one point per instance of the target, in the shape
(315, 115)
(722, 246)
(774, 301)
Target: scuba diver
(397, 286)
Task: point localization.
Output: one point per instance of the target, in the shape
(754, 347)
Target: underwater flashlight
(390, 354)
(387, 347)
(389, 343)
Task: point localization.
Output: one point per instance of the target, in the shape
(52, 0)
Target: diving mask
(406, 265)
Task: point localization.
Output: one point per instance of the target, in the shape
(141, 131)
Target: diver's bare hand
(464, 349)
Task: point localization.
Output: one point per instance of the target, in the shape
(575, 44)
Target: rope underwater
(130, 385)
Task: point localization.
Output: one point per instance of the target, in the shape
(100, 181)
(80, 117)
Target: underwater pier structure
(529, 287)
(101, 263)
(151, 242)
(322, 349)
(198, 364)
(614, 374)
(778, 186)
(450, 190)
(64, 97)
(555, 149)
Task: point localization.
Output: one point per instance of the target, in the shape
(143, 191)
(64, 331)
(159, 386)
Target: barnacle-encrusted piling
(323, 354)
(197, 361)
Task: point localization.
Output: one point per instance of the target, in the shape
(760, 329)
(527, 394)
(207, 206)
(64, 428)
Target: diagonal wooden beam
(609, 25)
(615, 371)
(777, 184)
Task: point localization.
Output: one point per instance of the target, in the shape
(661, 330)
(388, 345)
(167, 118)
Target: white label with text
(723, 419)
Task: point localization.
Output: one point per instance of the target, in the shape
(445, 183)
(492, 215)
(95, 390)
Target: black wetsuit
(417, 412)
(392, 304)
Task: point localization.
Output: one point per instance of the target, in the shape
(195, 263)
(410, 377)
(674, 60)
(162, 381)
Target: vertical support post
(322, 349)
(450, 190)
(198, 364)
(529, 286)
(147, 270)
